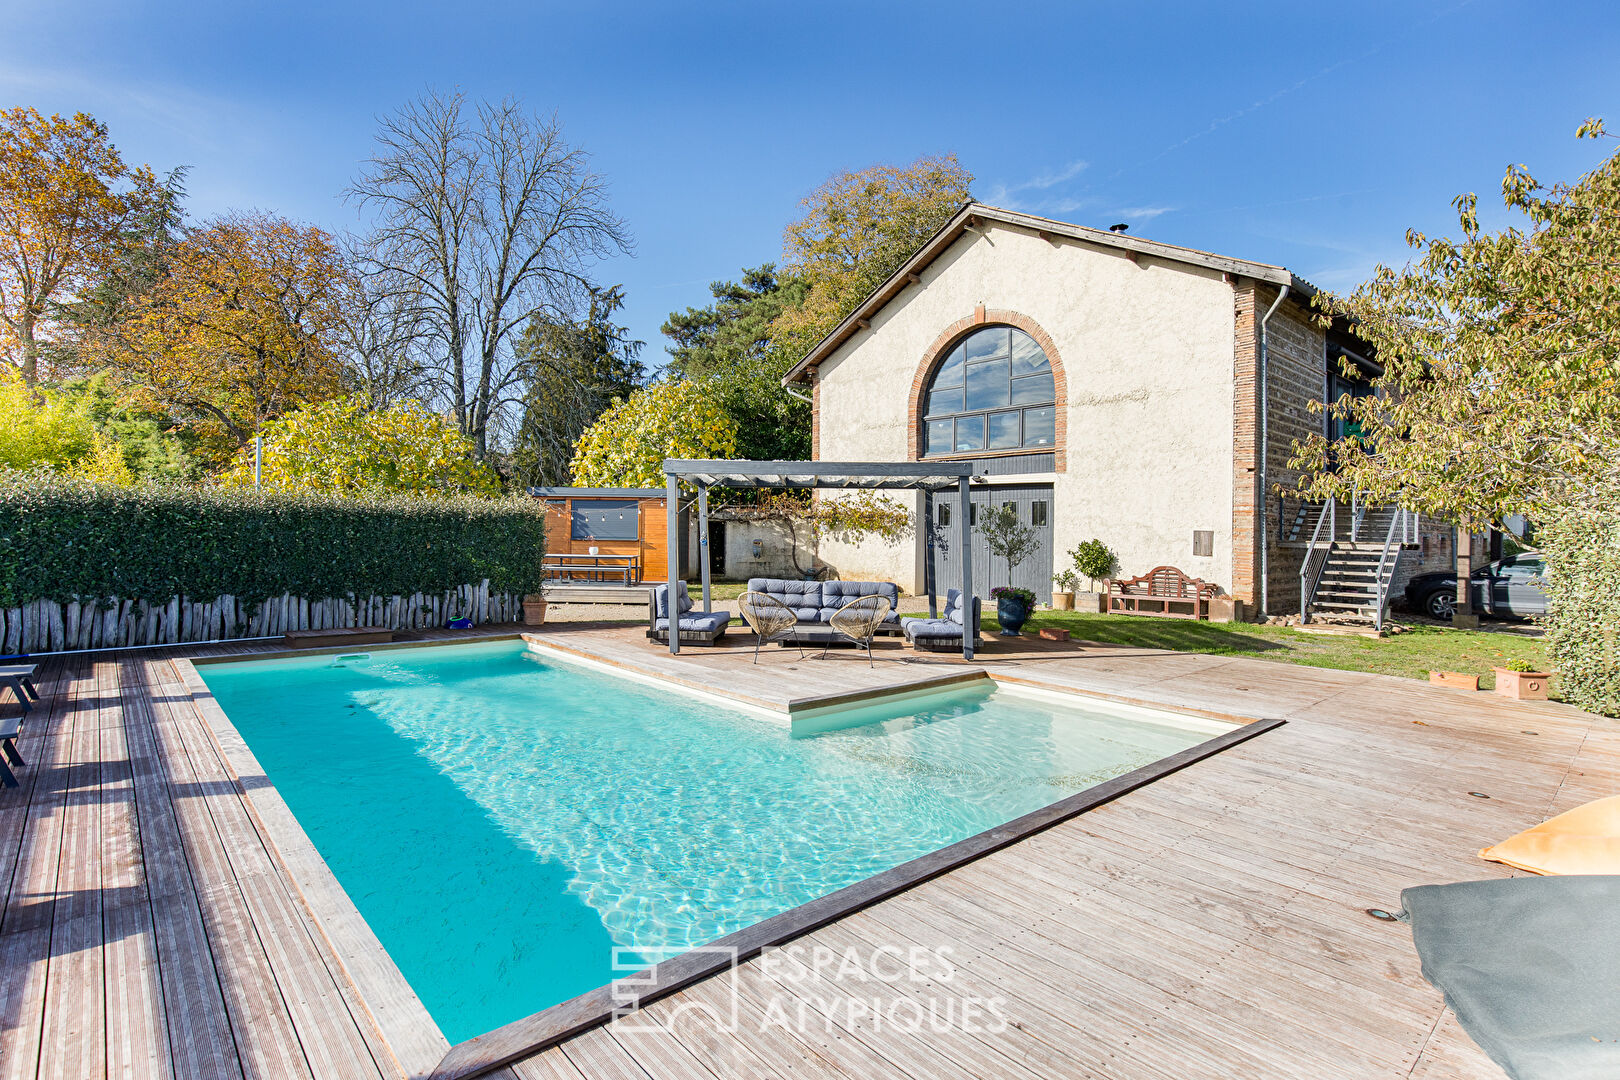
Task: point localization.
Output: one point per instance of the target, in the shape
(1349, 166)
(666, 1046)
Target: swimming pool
(504, 820)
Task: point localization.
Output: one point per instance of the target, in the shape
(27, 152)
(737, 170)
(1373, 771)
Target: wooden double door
(1035, 510)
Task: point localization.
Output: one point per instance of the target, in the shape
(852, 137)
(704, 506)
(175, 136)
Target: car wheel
(1441, 604)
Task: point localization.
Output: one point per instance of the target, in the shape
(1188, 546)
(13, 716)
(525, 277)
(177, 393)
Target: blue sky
(1307, 135)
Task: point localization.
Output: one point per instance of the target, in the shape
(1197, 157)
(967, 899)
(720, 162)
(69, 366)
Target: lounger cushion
(683, 602)
(930, 628)
(697, 620)
(953, 607)
(1585, 840)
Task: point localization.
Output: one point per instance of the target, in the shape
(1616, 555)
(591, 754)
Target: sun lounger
(943, 634)
(695, 627)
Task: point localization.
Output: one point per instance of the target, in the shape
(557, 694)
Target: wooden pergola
(927, 477)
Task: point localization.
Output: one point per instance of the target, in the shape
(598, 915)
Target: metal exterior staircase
(1354, 557)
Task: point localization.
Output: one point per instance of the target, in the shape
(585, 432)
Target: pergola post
(703, 541)
(965, 538)
(672, 498)
(929, 580)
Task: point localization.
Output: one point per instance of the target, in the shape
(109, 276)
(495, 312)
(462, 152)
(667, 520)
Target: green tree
(1501, 357)
(628, 443)
(576, 368)
(729, 343)
(341, 446)
(857, 229)
(42, 428)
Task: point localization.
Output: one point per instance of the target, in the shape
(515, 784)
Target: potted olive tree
(1012, 540)
(1064, 587)
(1094, 561)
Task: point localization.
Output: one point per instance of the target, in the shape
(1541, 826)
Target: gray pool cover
(1531, 967)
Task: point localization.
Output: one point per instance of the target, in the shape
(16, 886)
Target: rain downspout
(1265, 448)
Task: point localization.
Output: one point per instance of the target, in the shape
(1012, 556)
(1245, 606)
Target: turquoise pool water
(504, 820)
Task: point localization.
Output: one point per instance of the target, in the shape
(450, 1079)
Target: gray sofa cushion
(803, 597)
(815, 601)
(835, 594)
(683, 602)
(697, 620)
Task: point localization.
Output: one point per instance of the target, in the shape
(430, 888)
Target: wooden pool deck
(1209, 925)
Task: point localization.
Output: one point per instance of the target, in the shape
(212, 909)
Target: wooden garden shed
(604, 538)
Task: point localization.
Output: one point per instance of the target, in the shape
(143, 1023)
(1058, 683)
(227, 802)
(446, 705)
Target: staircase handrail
(1396, 519)
(1310, 577)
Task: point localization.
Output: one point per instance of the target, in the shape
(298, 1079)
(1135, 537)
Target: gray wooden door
(1035, 509)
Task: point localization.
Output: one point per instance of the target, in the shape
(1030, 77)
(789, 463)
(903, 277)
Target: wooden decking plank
(1167, 962)
(200, 1042)
(781, 1050)
(721, 1051)
(137, 1032)
(596, 1055)
(55, 676)
(35, 905)
(915, 1055)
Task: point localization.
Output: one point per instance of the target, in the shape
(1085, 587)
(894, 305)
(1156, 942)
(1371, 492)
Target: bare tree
(492, 217)
(386, 338)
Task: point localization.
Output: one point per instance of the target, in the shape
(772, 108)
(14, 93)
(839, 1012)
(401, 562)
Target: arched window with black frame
(993, 391)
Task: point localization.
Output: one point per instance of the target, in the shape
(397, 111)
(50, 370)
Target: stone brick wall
(1295, 377)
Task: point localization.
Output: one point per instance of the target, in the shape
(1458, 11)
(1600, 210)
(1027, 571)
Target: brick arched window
(991, 388)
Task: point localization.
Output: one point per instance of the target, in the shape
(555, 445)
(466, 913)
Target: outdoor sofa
(943, 634)
(814, 602)
(695, 627)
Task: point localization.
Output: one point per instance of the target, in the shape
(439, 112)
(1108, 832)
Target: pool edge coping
(537, 1032)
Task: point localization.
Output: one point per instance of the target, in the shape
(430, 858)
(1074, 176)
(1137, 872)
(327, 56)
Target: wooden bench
(591, 568)
(354, 635)
(1163, 591)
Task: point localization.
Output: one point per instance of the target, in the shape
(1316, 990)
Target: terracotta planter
(1063, 601)
(1522, 685)
(1455, 680)
(534, 610)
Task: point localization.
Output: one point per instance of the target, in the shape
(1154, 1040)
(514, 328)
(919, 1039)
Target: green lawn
(1411, 654)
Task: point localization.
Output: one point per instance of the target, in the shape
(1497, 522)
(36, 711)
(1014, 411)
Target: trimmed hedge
(64, 540)
(1583, 609)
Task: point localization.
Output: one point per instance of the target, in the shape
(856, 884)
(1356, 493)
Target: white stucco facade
(1146, 348)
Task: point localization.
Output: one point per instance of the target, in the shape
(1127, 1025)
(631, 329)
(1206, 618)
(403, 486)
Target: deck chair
(859, 620)
(770, 619)
(10, 728)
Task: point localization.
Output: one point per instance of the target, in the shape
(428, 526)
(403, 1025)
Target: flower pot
(1522, 685)
(1012, 615)
(534, 610)
(1457, 680)
(1063, 601)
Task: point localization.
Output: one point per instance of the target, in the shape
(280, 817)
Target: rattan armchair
(859, 620)
(769, 618)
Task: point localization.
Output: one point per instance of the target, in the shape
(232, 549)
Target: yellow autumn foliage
(628, 443)
(340, 446)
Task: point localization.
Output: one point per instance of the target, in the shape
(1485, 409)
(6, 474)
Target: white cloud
(1146, 213)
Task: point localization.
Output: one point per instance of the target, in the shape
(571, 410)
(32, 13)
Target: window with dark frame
(1037, 513)
(994, 391)
(944, 514)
